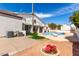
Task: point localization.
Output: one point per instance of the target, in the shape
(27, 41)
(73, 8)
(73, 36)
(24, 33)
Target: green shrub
(35, 36)
(32, 33)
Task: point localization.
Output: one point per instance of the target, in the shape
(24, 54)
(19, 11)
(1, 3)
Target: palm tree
(75, 19)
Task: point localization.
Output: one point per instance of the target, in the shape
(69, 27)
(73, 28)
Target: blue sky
(58, 13)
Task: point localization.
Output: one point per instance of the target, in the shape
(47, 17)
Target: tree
(75, 19)
(52, 25)
(59, 26)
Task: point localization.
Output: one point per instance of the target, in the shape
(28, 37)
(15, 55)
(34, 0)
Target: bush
(35, 36)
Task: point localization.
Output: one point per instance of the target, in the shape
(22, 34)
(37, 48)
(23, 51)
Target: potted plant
(49, 50)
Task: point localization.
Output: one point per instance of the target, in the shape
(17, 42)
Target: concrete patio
(25, 46)
(65, 49)
(13, 45)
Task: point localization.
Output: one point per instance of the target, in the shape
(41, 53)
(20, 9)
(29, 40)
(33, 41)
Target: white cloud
(62, 11)
(42, 15)
(66, 10)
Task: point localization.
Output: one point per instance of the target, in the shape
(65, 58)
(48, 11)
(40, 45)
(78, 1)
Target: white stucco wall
(9, 24)
(65, 27)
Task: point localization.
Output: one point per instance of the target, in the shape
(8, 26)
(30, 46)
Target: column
(38, 31)
(31, 29)
(43, 30)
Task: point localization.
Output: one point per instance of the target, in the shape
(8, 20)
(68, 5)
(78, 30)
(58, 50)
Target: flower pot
(49, 54)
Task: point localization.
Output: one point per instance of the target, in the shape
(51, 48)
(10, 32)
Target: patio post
(38, 31)
(32, 18)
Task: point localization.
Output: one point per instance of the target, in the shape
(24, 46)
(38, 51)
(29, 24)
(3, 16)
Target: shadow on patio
(75, 46)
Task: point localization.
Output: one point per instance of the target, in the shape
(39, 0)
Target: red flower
(49, 48)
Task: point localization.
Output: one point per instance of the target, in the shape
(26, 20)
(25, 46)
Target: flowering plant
(50, 49)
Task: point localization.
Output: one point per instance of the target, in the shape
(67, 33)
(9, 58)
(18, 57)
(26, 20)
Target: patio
(13, 45)
(25, 46)
(64, 47)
